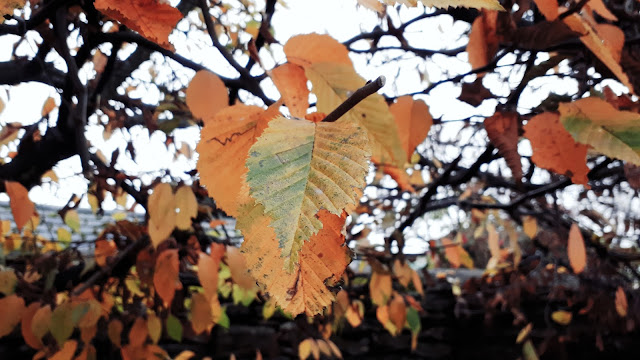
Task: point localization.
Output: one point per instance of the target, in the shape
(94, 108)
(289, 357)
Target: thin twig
(355, 98)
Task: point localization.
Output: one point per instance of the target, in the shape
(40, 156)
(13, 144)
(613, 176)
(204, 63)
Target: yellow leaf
(562, 317)
(154, 327)
(64, 235)
(524, 333)
(403, 272)
(21, 207)
(162, 213)
(187, 203)
(576, 250)
(297, 167)
(8, 281)
(185, 355)
(206, 95)
(165, 276)
(306, 348)
(332, 84)
(40, 322)
(322, 261)
(380, 288)
(621, 302)
(530, 226)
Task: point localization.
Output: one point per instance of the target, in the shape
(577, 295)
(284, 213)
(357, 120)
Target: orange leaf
(138, 333)
(11, 309)
(162, 213)
(21, 207)
(153, 19)
(225, 142)
(593, 40)
(25, 326)
(555, 149)
(502, 129)
(292, 84)
(186, 202)
(165, 277)
(483, 42)
(306, 50)
(451, 252)
(323, 259)
(403, 272)
(398, 313)
(208, 267)
(413, 120)
(576, 250)
(201, 319)
(601, 9)
(621, 302)
(548, 8)
(400, 176)
(104, 249)
(380, 288)
(67, 351)
(114, 331)
(206, 95)
(238, 267)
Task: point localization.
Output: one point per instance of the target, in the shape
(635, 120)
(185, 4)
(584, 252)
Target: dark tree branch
(355, 98)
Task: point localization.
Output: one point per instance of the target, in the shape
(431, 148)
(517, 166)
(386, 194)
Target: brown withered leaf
(632, 172)
(502, 129)
(474, 93)
(542, 35)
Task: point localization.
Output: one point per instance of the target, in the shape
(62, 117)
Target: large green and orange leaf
(595, 122)
(153, 19)
(333, 84)
(223, 148)
(322, 261)
(298, 167)
(554, 149)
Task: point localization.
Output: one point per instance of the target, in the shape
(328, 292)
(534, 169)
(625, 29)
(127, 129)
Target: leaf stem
(353, 100)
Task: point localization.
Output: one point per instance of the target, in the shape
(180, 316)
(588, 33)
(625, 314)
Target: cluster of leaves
(293, 175)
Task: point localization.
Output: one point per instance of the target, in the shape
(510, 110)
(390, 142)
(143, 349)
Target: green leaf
(595, 122)
(174, 328)
(333, 83)
(224, 319)
(62, 324)
(413, 319)
(298, 167)
(64, 235)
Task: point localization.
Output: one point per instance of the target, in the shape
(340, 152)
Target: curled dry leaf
(555, 149)
(502, 129)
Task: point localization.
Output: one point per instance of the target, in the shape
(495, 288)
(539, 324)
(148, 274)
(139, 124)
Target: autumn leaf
(25, 326)
(595, 122)
(292, 85)
(483, 41)
(11, 309)
(297, 167)
(594, 41)
(62, 324)
(208, 267)
(530, 226)
(309, 49)
(225, 142)
(187, 204)
(138, 333)
(238, 267)
(451, 252)
(576, 250)
(21, 206)
(114, 332)
(380, 288)
(323, 259)
(154, 327)
(66, 352)
(554, 149)
(478, 4)
(397, 313)
(165, 276)
(332, 84)
(548, 8)
(206, 95)
(493, 241)
(7, 7)
(562, 317)
(621, 302)
(153, 19)
(162, 213)
(502, 129)
(413, 120)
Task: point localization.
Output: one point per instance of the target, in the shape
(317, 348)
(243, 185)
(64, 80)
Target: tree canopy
(479, 199)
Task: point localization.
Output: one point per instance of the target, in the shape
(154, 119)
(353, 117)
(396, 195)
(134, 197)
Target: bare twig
(355, 98)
